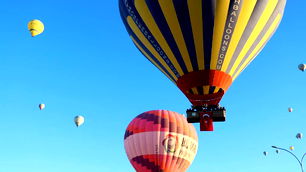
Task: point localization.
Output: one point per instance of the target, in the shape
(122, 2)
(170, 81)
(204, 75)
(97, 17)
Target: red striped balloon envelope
(201, 45)
(160, 141)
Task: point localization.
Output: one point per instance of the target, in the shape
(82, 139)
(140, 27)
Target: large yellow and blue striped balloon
(201, 45)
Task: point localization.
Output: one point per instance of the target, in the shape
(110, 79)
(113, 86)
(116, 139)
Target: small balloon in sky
(79, 120)
(277, 151)
(41, 106)
(299, 135)
(36, 27)
(291, 148)
(302, 67)
(265, 153)
(290, 109)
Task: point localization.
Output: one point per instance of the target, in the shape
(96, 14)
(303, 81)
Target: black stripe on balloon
(200, 90)
(190, 91)
(127, 134)
(147, 163)
(211, 89)
(162, 24)
(124, 14)
(208, 27)
(182, 12)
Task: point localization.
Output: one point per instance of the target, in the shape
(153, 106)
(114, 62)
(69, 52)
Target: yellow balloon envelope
(36, 27)
(201, 45)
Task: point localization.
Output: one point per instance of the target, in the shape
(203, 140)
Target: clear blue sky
(85, 63)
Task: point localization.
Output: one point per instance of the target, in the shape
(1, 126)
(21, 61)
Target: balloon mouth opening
(204, 86)
(208, 99)
(33, 32)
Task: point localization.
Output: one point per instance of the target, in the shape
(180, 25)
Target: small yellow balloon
(36, 27)
(291, 148)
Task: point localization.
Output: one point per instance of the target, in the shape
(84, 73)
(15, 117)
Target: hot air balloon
(79, 120)
(160, 140)
(299, 135)
(201, 46)
(290, 109)
(277, 151)
(265, 153)
(36, 27)
(41, 106)
(291, 148)
(302, 67)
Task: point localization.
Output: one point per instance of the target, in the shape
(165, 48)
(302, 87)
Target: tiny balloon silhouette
(41, 106)
(290, 109)
(302, 67)
(265, 153)
(79, 120)
(299, 135)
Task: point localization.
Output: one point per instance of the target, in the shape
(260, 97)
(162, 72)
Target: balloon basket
(206, 115)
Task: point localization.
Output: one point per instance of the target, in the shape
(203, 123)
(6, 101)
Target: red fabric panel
(145, 164)
(202, 78)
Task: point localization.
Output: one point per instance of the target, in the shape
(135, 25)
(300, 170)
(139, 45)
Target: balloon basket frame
(206, 115)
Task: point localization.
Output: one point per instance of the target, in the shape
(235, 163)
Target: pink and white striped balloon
(160, 141)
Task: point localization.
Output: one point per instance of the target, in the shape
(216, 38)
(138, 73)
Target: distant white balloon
(299, 135)
(79, 120)
(41, 106)
(302, 67)
(290, 109)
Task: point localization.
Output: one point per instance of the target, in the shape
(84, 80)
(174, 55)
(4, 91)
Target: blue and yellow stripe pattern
(186, 36)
